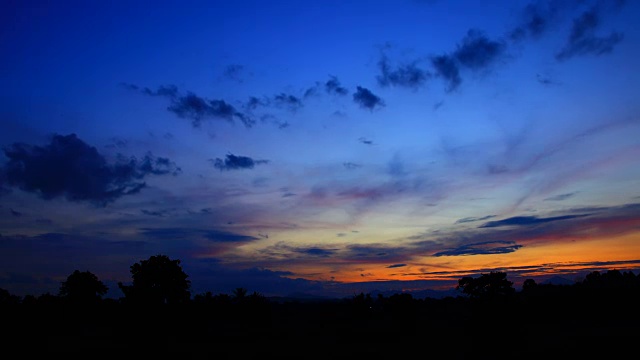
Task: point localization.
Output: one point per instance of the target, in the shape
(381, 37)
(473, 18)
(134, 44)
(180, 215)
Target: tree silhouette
(157, 280)
(82, 287)
(486, 286)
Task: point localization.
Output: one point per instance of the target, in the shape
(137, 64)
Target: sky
(318, 147)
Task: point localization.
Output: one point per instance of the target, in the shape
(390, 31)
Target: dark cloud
(536, 19)
(193, 107)
(15, 213)
(157, 213)
(68, 167)
(332, 86)
(254, 102)
(584, 41)
(477, 52)
(447, 68)
(545, 80)
(365, 141)
(396, 266)
(316, 252)
(482, 248)
(366, 99)
(236, 162)
(528, 220)
(228, 237)
(472, 219)
(351, 166)
(408, 75)
(288, 101)
(560, 197)
(170, 91)
(192, 234)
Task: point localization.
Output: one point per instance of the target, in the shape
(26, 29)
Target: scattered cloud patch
(536, 19)
(583, 39)
(407, 75)
(288, 101)
(366, 99)
(332, 86)
(447, 68)
(477, 52)
(195, 108)
(236, 162)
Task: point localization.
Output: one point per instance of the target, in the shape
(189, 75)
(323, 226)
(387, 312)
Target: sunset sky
(318, 147)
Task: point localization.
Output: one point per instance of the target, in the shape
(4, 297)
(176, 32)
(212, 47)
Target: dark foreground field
(543, 325)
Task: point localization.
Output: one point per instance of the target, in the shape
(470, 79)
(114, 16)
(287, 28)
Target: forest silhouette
(159, 318)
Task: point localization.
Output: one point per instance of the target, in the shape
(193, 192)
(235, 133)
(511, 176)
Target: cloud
(561, 197)
(365, 141)
(366, 99)
(477, 52)
(584, 41)
(332, 86)
(528, 220)
(193, 107)
(351, 166)
(396, 266)
(481, 248)
(70, 168)
(472, 219)
(536, 19)
(217, 236)
(236, 162)
(408, 75)
(170, 91)
(288, 101)
(447, 68)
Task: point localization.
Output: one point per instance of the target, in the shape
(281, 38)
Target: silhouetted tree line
(158, 304)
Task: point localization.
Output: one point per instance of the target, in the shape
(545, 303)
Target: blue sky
(324, 147)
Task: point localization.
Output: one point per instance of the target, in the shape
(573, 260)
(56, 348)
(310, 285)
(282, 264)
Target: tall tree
(83, 287)
(157, 280)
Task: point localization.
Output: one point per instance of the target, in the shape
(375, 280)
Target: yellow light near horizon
(563, 254)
